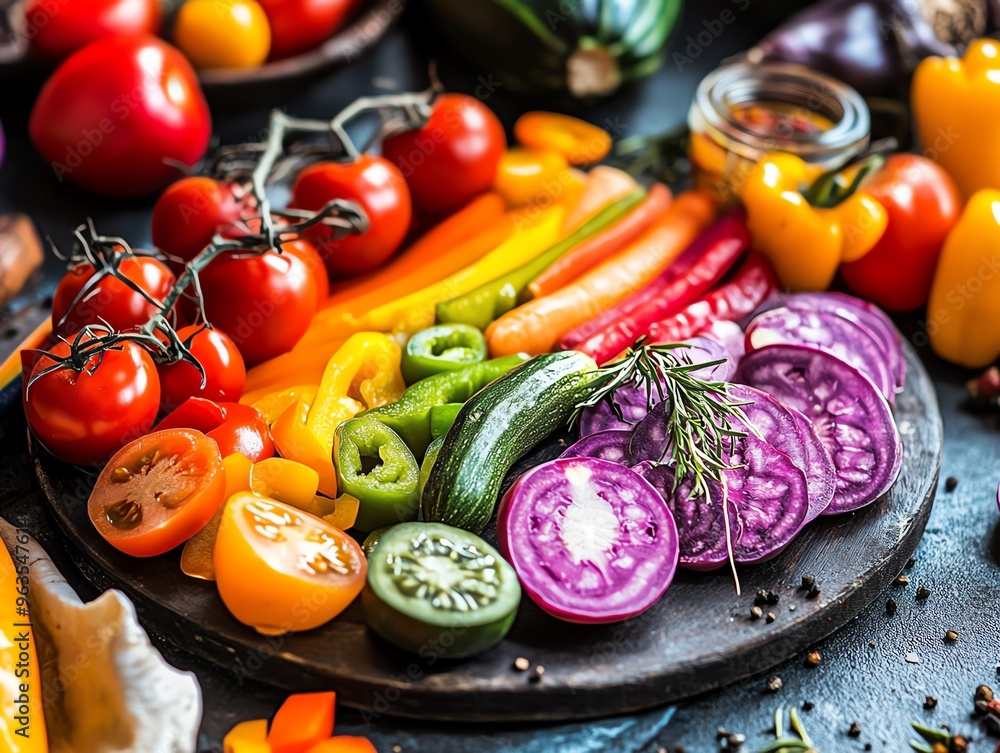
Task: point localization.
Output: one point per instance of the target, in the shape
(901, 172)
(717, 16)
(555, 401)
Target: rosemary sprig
(701, 415)
(784, 742)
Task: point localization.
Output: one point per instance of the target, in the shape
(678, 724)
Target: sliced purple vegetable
(649, 437)
(827, 331)
(591, 541)
(865, 314)
(611, 445)
(632, 402)
(701, 529)
(851, 417)
(795, 437)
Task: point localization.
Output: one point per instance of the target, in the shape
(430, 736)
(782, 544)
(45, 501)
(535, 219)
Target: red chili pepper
(234, 427)
(752, 284)
(701, 266)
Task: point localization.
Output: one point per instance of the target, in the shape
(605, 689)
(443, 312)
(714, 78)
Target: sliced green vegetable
(372, 539)
(429, 458)
(445, 347)
(439, 589)
(442, 417)
(493, 299)
(376, 466)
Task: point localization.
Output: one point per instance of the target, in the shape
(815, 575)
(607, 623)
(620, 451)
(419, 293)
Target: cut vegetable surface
(591, 541)
(851, 417)
(610, 445)
(440, 590)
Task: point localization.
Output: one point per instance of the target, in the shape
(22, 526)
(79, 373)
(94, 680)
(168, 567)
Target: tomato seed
(125, 514)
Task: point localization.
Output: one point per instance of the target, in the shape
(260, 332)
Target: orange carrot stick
(599, 247)
(538, 325)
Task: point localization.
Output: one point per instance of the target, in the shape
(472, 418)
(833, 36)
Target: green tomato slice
(439, 591)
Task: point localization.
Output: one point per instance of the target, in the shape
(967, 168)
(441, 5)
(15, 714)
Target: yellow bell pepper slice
(805, 243)
(345, 512)
(273, 404)
(284, 480)
(363, 374)
(247, 737)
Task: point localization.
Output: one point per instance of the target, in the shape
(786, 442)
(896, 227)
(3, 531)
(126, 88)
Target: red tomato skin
(115, 112)
(453, 157)
(86, 418)
(309, 256)
(111, 300)
(923, 204)
(244, 430)
(225, 372)
(58, 29)
(300, 25)
(190, 212)
(264, 303)
(379, 188)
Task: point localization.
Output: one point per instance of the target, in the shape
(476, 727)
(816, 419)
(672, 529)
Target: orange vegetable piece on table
(303, 720)
(344, 744)
(247, 737)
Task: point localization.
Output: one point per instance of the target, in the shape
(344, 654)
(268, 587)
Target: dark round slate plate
(698, 637)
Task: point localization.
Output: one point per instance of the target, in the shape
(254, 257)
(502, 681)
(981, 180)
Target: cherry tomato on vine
(58, 29)
(308, 255)
(300, 25)
(379, 188)
(264, 303)
(110, 300)
(190, 212)
(116, 115)
(234, 427)
(223, 33)
(452, 157)
(85, 415)
(225, 373)
(158, 492)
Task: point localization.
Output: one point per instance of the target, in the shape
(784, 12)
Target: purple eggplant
(874, 45)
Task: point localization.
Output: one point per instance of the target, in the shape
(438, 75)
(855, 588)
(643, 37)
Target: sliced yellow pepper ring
(273, 404)
(525, 176)
(345, 512)
(578, 141)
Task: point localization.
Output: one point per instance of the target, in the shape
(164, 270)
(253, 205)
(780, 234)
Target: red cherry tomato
(264, 303)
(235, 427)
(300, 25)
(110, 300)
(923, 205)
(225, 373)
(58, 29)
(190, 212)
(379, 188)
(453, 157)
(309, 256)
(114, 116)
(86, 416)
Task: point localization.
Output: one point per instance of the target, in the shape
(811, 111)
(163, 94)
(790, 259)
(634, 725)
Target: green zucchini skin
(584, 48)
(495, 428)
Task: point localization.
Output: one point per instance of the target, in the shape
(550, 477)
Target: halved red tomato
(158, 492)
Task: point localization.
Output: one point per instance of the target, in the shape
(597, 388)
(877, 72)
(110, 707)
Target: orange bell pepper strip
(344, 744)
(432, 253)
(247, 737)
(363, 374)
(580, 142)
(303, 720)
(601, 246)
(537, 326)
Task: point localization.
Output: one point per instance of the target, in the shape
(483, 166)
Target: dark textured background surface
(959, 558)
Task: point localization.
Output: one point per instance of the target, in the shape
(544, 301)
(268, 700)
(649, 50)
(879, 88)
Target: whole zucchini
(585, 47)
(495, 428)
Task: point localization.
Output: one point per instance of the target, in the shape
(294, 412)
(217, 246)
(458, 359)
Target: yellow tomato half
(279, 569)
(223, 33)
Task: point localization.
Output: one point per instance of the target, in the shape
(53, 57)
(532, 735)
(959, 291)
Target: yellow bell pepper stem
(22, 725)
(956, 106)
(963, 313)
(805, 243)
(363, 374)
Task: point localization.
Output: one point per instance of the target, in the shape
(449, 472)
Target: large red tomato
(110, 300)
(264, 303)
(116, 114)
(86, 416)
(379, 188)
(300, 25)
(190, 212)
(225, 373)
(453, 157)
(58, 29)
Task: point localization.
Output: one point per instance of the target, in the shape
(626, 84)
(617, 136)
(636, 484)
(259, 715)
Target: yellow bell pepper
(273, 403)
(247, 737)
(535, 231)
(956, 106)
(284, 480)
(525, 176)
(22, 725)
(963, 313)
(363, 374)
(806, 243)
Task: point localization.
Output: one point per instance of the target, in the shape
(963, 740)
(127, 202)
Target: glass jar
(744, 110)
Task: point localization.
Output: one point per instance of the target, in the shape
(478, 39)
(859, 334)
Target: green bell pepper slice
(493, 299)
(442, 417)
(446, 347)
(376, 466)
(410, 416)
(429, 457)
